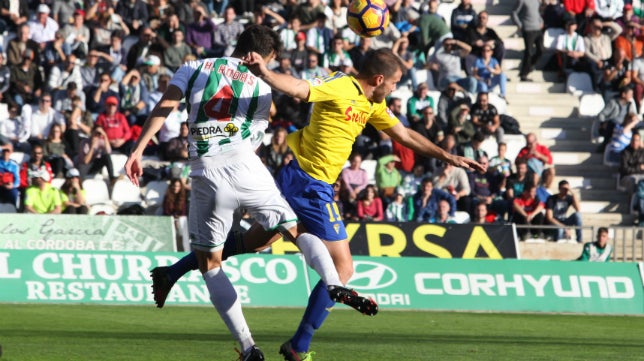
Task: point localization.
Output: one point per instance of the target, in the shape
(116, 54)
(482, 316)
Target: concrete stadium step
(545, 110)
(537, 86)
(604, 207)
(604, 195)
(581, 182)
(587, 170)
(545, 133)
(576, 158)
(607, 219)
(569, 145)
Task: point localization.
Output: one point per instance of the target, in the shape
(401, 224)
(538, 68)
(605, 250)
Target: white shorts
(218, 189)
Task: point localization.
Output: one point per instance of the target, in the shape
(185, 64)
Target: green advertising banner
(278, 281)
(87, 233)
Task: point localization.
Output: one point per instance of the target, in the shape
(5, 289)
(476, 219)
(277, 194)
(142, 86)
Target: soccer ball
(368, 18)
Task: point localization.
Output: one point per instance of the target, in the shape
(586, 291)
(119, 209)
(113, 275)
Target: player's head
(381, 69)
(259, 39)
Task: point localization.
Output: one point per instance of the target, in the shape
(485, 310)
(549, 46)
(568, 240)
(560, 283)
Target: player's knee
(345, 273)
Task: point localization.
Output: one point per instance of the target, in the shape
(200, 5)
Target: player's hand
(467, 164)
(133, 168)
(255, 63)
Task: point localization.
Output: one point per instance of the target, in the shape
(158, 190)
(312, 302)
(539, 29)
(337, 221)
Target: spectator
(395, 106)
(461, 126)
(36, 163)
(63, 11)
(300, 55)
(628, 16)
(528, 210)
(39, 119)
(13, 14)
(631, 166)
(617, 74)
(313, 70)
(337, 57)
(359, 52)
(177, 147)
(175, 200)
(107, 23)
(387, 176)
(582, 10)
(557, 207)
(288, 35)
(433, 28)
(94, 154)
(481, 35)
(629, 43)
(621, 138)
(63, 99)
(370, 205)
(397, 210)
(447, 62)
(26, 80)
(65, 73)
(409, 59)
(598, 46)
(72, 194)
(528, 20)
(614, 113)
(485, 189)
(430, 129)
(76, 35)
(273, 155)
(443, 213)
(97, 94)
(55, 152)
(154, 95)
(537, 156)
(519, 181)
(19, 44)
(473, 149)
(91, 70)
(43, 28)
(15, 130)
(174, 54)
(482, 216)
(426, 201)
(40, 196)
(454, 181)
(152, 70)
(227, 33)
(9, 177)
(167, 28)
(451, 98)
(543, 188)
(488, 73)
(598, 251)
(486, 118)
(417, 102)
(318, 37)
(499, 163)
(570, 50)
(411, 183)
(116, 127)
(463, 19)
(134, 14)
(148, 41)
(134, 97)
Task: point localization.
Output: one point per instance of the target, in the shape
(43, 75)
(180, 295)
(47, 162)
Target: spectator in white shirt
(44, 28)
(39, 119)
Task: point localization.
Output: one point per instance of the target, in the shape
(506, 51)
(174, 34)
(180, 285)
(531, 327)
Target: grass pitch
(88, 333)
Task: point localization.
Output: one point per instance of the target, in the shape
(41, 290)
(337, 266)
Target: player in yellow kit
(343, 104)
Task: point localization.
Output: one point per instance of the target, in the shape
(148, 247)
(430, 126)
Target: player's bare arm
(421, 145)
(284, 83)
(153, 124)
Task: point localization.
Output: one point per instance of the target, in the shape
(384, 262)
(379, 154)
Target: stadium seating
(19, 157)
(154, 192)
(118, 163)
(590, 104)
(579, 84)
(550, 37)
(97, 196)
(125, 192)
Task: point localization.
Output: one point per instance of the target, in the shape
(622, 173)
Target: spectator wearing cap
(116, 126)
(40, 196)
(200, 34)
(300, 55)
(98, 94)
(72, 194)
(134, 13)
(76, 34)
(628, 16)
(19, 44)
(43, 28)
(26, 80)
(9, 176)
(151, 70)
(65, 73)
(417, 102)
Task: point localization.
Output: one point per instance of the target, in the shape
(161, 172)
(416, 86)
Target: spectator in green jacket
(598, 251)
(387, 177)
(419, 101)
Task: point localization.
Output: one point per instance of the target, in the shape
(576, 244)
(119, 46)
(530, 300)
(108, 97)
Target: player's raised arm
(284, 83)
(169, 100)
(421, 145)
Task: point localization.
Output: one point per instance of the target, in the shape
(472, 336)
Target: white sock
(224, 297)
(317, 257)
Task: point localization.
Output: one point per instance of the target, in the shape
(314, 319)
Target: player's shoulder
(336, 78)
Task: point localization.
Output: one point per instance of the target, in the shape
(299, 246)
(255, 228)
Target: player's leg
(210, 220)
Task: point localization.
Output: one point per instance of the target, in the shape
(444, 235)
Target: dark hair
(563, 183)
(118, 33)
(479, 137)
(260, 39)
(380, 62)
(602, 230)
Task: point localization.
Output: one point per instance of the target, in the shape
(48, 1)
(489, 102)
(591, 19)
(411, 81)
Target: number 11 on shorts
(334, 212)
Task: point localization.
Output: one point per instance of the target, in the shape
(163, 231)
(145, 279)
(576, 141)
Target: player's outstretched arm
(421, 145)
(284, 83)
(169, 100)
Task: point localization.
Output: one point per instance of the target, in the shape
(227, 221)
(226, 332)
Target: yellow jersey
(340, 113)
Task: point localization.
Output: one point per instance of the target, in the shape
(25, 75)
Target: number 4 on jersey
(218, 107)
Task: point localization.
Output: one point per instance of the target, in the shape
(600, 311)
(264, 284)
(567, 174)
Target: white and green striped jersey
(228, 107)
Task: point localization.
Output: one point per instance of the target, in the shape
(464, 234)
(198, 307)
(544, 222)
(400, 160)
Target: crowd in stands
(78, 79)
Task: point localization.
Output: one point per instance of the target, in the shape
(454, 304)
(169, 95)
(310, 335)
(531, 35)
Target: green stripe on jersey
(252, 108)
(191, 83)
